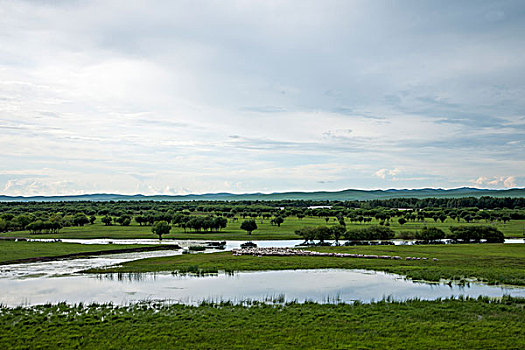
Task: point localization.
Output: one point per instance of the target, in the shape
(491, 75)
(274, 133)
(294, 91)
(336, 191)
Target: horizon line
(265, 193)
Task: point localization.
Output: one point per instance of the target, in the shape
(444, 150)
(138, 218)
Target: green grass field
(10, 250)
(442, 324)
(265, 231)
(492, 263)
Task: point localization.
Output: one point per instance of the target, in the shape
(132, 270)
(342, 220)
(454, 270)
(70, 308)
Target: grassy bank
(11, 251)
(492, 263)
(265, 231)
(447, 324)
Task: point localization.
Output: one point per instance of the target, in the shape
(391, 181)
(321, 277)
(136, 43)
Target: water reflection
(128, 277)
(56, 281)
(323, 286)
(66, 267)
(69, 267)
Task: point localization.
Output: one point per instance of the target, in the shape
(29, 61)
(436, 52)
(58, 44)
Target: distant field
(441, 324)
(493, 263)
(344, 195)
(265, 231)
(10, 251)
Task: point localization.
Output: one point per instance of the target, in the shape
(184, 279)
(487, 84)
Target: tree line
(50, 217)
(460, 234)
(43, 223)
(116, 208)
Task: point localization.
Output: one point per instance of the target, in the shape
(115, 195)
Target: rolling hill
(350, 194)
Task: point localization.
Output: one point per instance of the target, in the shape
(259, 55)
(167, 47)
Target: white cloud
(496, 181)
(510, 181)
(28, 187)
(127, 97)
(383, 173)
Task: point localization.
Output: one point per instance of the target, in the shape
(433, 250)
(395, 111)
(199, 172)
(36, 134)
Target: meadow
(265, 231)
(491, 263)
(443, 324)
(11, 251)
(414, 324)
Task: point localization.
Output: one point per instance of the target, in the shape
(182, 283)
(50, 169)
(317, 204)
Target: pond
(323, 286)
(56, 281)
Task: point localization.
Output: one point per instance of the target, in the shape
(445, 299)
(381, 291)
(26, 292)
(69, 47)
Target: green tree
(54, 224)
(23, 220)
(322, 233)
(140, 220)
(249, 226)
(476, 233)
(337, 231)
(278, 221)
(107, 220)
(124, 220)
(161, 228)
(219, 223)
(370, 233)
(79, 219)
(35, 227)
(430, 234)
(308, 233)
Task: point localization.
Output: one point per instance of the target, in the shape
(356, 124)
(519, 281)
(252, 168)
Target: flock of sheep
(298, 252)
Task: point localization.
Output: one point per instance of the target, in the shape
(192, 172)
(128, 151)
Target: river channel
(57, 281)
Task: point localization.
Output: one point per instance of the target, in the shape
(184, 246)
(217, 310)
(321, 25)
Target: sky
(178, 97)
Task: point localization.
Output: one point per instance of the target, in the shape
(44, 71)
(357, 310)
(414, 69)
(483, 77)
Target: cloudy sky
(175, 97)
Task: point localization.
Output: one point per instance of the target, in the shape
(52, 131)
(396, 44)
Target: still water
(321, 286)
(57, 281)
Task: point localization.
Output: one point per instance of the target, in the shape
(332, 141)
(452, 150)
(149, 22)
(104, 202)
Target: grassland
(11, 251)
(442, 324)
(265, 231)
(492, 263)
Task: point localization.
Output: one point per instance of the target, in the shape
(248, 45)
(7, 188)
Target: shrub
(370, 233)
(430, 234)
(476, 233)
(407, 234)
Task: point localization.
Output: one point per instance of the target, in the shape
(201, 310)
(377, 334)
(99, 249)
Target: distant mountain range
(362, 195)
